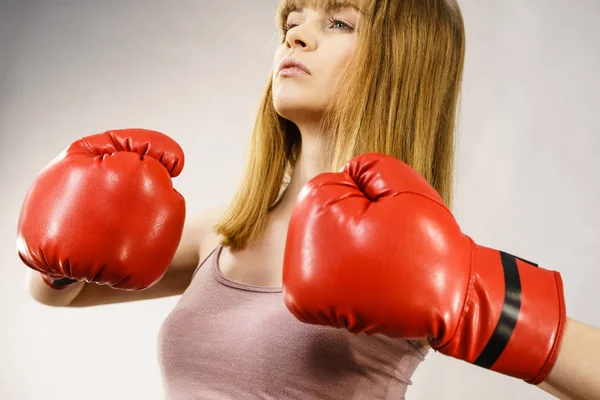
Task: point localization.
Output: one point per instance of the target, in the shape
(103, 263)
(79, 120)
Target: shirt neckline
(221, 278)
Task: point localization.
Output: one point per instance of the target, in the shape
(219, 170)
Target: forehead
(287, 6)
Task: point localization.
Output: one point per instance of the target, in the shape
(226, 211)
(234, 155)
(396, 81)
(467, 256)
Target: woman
(350, 78)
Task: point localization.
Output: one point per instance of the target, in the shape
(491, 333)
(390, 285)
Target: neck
(308, 165)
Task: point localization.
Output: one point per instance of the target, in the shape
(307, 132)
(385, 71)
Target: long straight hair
(401, 99)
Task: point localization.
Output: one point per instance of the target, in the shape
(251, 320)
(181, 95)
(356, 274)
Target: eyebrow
(329, 7)
(298, 6)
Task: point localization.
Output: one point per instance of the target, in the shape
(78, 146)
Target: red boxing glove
(374, 249)
(105, 211)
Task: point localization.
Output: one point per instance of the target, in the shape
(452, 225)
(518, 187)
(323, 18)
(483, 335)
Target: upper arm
(188, 250)
(197, 232)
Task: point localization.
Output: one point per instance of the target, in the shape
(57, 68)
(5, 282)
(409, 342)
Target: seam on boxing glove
(87, 145)
(469, 290)
(127, 148)
(468, 296)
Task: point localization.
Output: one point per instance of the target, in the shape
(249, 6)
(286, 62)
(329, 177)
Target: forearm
(576, 373)
(79, 294)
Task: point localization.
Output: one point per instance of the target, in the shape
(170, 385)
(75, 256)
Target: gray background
(526, 173)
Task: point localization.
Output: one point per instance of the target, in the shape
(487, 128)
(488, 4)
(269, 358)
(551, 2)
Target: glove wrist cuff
(513, 319)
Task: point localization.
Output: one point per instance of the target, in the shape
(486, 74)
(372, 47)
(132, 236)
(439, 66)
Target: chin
(299, 104)
(298, 111)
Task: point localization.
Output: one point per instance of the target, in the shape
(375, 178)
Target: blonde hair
(400, 99)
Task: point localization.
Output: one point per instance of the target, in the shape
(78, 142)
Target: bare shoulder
(200, 227)
(208, 237)
(198, 237)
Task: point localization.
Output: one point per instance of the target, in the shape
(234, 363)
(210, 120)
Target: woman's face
(323, 42)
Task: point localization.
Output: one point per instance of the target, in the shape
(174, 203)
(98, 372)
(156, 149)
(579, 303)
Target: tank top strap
(211, 258)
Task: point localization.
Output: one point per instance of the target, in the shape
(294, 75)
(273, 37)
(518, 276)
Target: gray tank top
(227, 340)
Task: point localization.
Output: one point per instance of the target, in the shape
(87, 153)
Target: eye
(340, 23)
(287, 26)
(335, 22)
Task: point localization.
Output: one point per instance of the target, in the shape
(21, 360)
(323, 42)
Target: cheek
(347, 53)
(344, 54)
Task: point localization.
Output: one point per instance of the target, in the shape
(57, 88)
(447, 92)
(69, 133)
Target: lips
(293, 63)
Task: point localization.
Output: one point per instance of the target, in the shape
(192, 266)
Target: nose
(300, 37)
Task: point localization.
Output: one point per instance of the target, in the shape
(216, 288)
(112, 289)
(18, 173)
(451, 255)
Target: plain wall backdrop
(526, 173)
